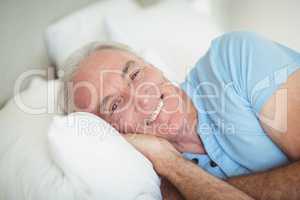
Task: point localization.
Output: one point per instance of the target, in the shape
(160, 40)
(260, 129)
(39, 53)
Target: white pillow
(173, 29)
(82, 27)
(90, 151)
(28, 169)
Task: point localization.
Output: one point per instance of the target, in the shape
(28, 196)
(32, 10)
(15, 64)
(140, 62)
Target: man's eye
(114, 107)
(134, 75)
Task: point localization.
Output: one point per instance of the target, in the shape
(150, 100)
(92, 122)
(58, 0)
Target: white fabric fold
(96, 157)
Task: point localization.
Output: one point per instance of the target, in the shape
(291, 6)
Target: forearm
(282, 183)
(169, 192)
(195, 184)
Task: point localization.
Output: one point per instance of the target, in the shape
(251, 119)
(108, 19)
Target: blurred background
(23, 23)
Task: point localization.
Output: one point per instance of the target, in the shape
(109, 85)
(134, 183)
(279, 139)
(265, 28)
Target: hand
(158, 150)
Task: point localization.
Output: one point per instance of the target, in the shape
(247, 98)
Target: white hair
(72, 64)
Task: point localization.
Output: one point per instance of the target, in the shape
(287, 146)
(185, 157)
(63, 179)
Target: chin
(175, 128)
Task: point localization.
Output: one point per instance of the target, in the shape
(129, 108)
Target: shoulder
(239, 36)
(234, 48)
(241, 42)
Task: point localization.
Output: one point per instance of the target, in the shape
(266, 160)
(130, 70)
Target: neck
(192, 144)
(190, 140)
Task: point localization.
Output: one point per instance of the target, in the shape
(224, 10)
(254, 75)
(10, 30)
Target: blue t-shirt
(228, 86)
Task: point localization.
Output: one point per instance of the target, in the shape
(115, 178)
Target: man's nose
(144, 103)
(145, 100)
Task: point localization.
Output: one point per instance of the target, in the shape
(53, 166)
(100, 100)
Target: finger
(132, 138)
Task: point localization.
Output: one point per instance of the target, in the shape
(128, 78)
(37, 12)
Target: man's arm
(282, 183)
(194, 183)
(280, 117)
(191, 181)
(168, 191)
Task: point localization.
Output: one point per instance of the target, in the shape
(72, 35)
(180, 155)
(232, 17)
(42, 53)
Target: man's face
(130, 94)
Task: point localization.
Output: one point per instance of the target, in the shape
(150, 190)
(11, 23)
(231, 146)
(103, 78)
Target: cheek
(173, 104)
(126, 121)
(173, 99)
(84, 99)
(154, 75)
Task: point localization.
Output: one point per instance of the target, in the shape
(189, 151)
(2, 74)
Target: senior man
(237, 113)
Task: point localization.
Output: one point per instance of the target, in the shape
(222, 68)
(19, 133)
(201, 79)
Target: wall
(277, 19)
(22, 23)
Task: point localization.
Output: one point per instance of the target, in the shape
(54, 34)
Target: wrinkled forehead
(106, 59)
(101, 63)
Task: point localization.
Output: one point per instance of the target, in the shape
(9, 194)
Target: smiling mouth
(156, 112)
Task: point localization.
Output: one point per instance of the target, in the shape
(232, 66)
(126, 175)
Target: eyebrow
(126, 67)
(104, 103)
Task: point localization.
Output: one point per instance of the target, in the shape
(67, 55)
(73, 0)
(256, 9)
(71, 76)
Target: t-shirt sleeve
(255, 65)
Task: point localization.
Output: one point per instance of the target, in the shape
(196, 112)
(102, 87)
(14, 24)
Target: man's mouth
(156, 112)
